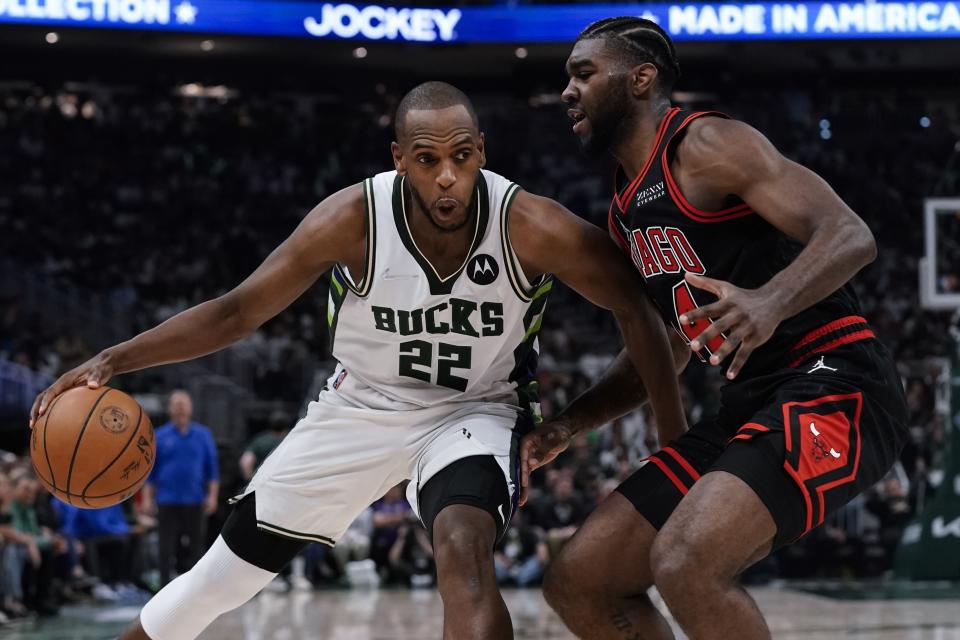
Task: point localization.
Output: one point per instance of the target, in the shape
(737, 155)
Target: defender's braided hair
(641, 39)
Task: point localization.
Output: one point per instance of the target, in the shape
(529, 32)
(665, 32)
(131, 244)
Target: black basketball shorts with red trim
(806, 439)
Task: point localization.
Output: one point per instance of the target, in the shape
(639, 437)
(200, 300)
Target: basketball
(93, 448)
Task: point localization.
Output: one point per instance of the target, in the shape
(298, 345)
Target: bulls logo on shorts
(822, 440)
(483, 269)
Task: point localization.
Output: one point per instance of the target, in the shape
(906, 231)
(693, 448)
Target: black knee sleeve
(269, 551)
(477, 481)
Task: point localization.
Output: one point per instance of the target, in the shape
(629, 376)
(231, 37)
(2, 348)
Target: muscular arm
(732, 157)
(333, 231)
(719, 158)
(549, 239)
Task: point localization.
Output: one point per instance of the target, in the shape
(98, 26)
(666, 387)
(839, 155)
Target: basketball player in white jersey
(439, 283)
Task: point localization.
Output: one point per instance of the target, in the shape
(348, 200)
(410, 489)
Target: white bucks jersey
(416, 337)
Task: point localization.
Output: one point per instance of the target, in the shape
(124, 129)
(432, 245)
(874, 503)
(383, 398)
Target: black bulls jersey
(667, 236)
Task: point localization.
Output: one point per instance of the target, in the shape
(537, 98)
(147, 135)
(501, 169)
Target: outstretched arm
(334, 231)
(726, 157)
(549, 239)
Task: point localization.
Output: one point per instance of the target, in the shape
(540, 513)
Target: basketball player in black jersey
(748, 257)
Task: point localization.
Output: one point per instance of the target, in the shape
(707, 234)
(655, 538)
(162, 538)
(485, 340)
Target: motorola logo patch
(483, 269)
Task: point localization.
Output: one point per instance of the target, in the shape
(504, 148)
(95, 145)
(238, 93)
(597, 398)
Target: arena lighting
(521, 25)
(52, 38)
(190, 90)
(521, 52)
(925, 122)
(544, 99)
(197, 90)
(207, 45)
(68, 106)
(360, 52)
(687, 97)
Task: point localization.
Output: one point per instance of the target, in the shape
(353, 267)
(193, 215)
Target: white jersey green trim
(517, 279)
(419, 338)
(369, 205)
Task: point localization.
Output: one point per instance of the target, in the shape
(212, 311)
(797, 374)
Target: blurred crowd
(142, 203)
(52, 553)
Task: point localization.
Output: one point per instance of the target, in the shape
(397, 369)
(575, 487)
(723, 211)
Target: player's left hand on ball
(746, 317)
(540, 447)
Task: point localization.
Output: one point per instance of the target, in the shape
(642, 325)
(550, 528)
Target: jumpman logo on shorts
(820, 365)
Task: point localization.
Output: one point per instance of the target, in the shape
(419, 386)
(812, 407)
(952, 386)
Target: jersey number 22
(416, 361)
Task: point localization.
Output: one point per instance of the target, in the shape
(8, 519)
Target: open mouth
(446, 206)
(579, 119)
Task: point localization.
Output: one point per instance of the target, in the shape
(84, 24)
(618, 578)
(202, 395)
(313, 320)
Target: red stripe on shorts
(683, 463)
(670, 474)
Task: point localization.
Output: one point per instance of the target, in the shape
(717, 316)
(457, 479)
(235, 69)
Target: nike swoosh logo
(500, 511)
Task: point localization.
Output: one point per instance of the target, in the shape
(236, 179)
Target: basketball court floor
(416, 615)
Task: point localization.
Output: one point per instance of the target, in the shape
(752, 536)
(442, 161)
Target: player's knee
(209, 591)
(560, 582)
(677, 564)
(462, 546)
(464, 556)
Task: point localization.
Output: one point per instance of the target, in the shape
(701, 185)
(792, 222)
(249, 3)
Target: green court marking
(847, 632)
(880, 590)
(75, 622)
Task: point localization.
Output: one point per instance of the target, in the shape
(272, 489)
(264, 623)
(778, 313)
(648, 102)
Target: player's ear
(397, 154)
(642, 78)
(482, 149)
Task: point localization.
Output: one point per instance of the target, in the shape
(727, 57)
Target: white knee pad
(219, 582)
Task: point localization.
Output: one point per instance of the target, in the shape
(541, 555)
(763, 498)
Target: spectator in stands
(521, 555)
(561, 512)
(71, 350)
(354, 545)
(182, 488)
(411, 556)
(261, 446)
(389, 514)
(889, 503)
(37, 579)
(109, 546)
(16, 549)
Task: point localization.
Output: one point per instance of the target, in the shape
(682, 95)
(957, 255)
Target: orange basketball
(93, 447)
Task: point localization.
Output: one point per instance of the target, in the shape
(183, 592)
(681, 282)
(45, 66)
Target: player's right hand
(93, 373)
(540, 447)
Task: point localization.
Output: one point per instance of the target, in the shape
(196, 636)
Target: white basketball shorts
(354, 443)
